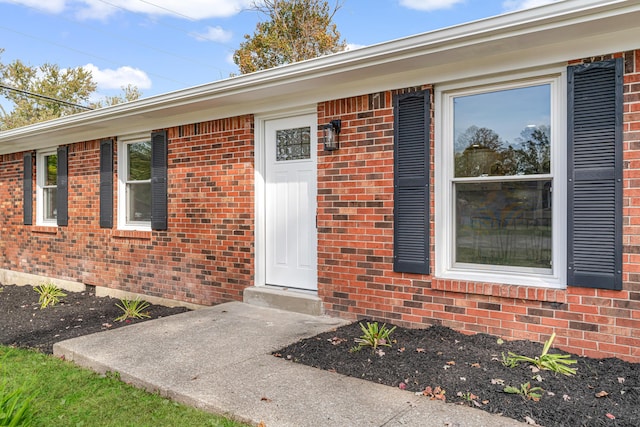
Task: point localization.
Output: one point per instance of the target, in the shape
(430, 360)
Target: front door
(290, 177)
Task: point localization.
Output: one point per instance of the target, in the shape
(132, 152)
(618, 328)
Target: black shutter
(27, 189)
(412, 123)
(62, 191)
(106, 183)
(595, 175)
(159, 180)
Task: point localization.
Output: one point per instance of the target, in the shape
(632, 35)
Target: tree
(295, 30)
(479, 151)
(535, 154)
(47, 92)
(129, 93)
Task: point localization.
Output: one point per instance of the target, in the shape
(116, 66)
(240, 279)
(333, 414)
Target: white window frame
(123, 167)
(445, 266)
(41, 174)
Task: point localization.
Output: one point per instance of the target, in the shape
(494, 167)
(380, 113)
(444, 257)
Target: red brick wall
(355, 247)
(205, 256)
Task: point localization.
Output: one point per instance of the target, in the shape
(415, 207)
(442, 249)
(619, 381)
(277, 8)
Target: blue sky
(166, 45)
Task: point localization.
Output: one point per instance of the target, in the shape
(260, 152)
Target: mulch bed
(24, 324)
(435, 363)
(468, 370)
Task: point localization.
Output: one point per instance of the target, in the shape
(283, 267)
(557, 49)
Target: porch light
(331, 135)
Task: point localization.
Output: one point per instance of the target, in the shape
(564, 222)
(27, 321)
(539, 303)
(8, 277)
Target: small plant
(550, 362)
(469, 398)
(509, 361)
(50, 294)
(373, 336)
(132, 309)
(526, 391)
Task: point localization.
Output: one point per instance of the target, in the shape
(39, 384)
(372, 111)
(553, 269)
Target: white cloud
(213, 34)
(115, 79)
(511, 5)
(51, 6)
(429, 5)
(97, 9)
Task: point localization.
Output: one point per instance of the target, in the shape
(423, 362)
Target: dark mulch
(461, 364)
(24, 324)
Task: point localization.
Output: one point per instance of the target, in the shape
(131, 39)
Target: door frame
(260, 188)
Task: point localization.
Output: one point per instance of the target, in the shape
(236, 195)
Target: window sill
(44, 229)
(501, 290)
(131, 234)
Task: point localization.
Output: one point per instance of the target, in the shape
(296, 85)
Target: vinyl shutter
(595, 175)
(411, 182)
(62, 184)
(159, 180)
(106, 183)
(27, 189)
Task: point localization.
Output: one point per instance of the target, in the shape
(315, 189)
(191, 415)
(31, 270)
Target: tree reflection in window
(139, 182)
(486, 154)
(502, 178)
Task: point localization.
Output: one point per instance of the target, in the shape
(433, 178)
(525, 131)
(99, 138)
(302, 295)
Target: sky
(165, 45)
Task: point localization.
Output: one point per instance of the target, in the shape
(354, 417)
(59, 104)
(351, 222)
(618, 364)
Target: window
(142, 182)
(500, 168)
(528, 179)
(47, 188)
(135, 185)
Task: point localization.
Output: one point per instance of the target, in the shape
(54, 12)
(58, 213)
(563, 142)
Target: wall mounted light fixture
(331, 135)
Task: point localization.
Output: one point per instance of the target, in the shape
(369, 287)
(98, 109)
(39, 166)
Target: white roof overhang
(530, 39)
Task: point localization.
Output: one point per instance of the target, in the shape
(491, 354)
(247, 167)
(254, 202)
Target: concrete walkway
(219, 359)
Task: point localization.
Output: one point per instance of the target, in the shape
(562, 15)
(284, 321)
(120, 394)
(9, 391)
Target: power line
(48, 98)
(82, 52)
(167, 9)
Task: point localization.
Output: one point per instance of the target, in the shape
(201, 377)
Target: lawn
(63, 394)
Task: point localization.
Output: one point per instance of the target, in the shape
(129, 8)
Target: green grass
(66, 395)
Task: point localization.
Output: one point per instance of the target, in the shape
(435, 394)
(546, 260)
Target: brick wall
(206, 256)
(355, 247)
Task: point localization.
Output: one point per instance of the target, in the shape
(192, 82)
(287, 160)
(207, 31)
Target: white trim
(444, 204)
(134, 137)
(123, 163)
(40, 177)
(260, 184)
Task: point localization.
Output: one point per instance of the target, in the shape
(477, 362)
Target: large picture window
(498, 149)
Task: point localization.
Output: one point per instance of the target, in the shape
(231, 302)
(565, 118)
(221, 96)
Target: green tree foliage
(129, 93)
(295, 30)
(71, 85)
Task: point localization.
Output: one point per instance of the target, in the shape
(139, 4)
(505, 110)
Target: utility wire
(82, 52)
(167, 9)
(182, 30)
(48, 98)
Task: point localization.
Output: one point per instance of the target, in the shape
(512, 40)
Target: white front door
(291, 189)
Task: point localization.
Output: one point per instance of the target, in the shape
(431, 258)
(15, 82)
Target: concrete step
(284, 299)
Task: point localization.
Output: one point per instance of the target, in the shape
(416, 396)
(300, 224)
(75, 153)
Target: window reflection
(503, 133)
(501, 219)
(139, 182)
(504, 223)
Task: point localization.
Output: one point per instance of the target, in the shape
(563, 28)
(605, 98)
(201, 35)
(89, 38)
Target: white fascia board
(548, 33)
